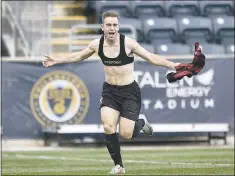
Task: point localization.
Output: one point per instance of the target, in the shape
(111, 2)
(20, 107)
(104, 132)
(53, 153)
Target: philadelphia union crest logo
(59, 97)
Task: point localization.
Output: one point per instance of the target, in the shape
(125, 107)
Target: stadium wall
(34, 97)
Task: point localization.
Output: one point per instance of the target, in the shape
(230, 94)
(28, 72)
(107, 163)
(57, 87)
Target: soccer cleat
(117, 170)
(147, 128)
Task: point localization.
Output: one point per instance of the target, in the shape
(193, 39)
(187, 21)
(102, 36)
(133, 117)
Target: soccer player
(121, 96)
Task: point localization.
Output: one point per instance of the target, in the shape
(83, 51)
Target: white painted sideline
(127, 161)
(13, 146)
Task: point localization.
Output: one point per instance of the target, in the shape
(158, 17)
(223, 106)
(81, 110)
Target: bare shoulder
(94, 44)
(131, 43)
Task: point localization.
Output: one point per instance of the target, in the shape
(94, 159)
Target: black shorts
(125, 99)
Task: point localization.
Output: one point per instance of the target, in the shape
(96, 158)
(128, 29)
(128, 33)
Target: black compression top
(121, 59)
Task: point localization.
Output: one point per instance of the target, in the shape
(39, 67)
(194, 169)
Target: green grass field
(96, 161)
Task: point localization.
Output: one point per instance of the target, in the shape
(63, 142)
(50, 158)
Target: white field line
(127, 148)
(33, 170)
(162, 153)
(127, 152)
(127, 161)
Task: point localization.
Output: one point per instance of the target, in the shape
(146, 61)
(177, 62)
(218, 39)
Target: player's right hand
(48, 61)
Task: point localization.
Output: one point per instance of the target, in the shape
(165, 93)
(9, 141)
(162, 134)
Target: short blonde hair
(110, 14)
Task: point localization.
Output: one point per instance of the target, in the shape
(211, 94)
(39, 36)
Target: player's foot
(117, 170)
(147, 128)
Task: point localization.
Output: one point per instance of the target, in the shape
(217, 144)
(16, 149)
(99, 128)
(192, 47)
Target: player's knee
(125, 134)
(109, 129)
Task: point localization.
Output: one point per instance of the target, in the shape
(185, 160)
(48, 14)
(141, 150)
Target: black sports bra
(121, 59)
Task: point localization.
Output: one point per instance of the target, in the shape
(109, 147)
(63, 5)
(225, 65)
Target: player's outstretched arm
(150, 57)
(74, 57)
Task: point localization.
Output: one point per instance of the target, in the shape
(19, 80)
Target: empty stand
(155, 22)
(224, 29)
(146, 9)
(62, 17)
(216, 8)
(182, 8)
(122, 7)
(160, 30)
(193, 29)
(173, 49)
(137, 24)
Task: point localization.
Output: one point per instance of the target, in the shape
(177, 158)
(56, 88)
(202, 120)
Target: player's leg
(130, 122)
(128, 128)
(110, 118)
(110, 115)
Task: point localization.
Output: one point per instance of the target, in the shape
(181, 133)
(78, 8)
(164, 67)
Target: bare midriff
(119, 75)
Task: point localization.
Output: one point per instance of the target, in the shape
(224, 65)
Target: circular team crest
(59, 97)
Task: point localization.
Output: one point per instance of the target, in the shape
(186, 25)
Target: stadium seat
(136, 24)
(193, 29)
(181, 8)
(122, 7)
(146, 9)
(224, 29)
(229, 49)
(173, 49)
(160, 30)
(148, 47)
(215, 8)
(211, 48)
